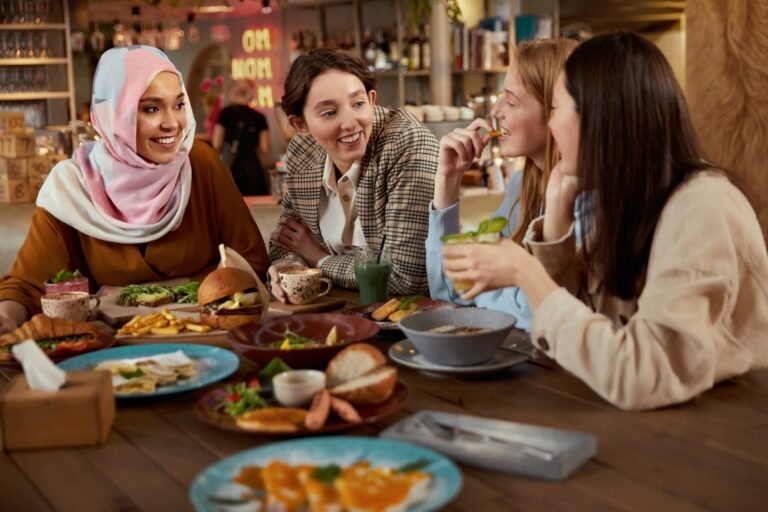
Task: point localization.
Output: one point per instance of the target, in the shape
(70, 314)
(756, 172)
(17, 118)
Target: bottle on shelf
(382, 60)
(369, 50)
(414, 50)
(426, 48)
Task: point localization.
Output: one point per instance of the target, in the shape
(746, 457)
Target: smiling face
(521, 119)
(161, 119)
(338, 114)
(564, 123)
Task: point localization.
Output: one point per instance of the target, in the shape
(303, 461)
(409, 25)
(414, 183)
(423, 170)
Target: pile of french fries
(163, 323)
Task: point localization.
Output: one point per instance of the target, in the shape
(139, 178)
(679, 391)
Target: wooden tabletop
(709, 454)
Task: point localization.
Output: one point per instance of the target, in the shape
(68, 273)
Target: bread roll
(372, 388)
(354, 361)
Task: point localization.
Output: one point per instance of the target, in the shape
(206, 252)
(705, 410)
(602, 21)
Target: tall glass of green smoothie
(372, 269)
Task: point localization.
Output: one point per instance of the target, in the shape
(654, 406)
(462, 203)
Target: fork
(452, 432)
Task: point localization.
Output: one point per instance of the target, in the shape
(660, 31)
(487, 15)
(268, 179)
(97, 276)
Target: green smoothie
(373, 280)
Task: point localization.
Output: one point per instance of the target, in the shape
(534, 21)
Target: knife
(452, 432)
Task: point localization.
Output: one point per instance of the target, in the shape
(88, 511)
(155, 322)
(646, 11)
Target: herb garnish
(486, 227)
(327, 474)
(414, 466)
(65, 275)
(132, 375)
(274, 367)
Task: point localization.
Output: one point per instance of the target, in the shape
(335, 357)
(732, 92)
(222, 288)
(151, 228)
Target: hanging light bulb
(265, 7)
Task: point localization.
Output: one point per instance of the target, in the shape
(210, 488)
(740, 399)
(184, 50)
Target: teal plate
(217, 480)
(213, 364)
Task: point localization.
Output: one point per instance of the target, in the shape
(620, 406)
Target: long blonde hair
(538, 64)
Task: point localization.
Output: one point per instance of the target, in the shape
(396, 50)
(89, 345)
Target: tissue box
(80, 413)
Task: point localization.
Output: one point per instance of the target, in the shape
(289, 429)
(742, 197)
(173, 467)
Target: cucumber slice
(459, 238)
(494, 225)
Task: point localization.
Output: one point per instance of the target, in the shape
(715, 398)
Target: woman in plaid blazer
(343, 136)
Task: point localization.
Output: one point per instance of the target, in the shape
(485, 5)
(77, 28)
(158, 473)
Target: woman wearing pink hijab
(144, 203)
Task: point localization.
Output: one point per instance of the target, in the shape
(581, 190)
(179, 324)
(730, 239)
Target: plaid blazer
(393, 194)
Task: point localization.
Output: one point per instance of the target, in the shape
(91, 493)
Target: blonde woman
(522, 110)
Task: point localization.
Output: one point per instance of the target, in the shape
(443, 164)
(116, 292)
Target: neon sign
(256, 67)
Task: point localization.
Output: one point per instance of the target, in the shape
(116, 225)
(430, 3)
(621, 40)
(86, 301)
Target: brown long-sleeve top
(216, 214)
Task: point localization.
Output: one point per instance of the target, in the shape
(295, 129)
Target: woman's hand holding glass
(562, 188)
(458, 150)
(292, 235)
(494, 266)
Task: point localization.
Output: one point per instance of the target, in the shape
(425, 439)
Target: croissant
(41, 327)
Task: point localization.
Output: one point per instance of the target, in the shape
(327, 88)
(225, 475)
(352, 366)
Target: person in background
(522, 110)
(669, 293)
(359, 174)
(241, 135)
(142, 204)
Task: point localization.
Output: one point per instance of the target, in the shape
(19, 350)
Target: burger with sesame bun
(230, 297)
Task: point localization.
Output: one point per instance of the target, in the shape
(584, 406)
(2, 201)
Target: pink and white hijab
(107, 191)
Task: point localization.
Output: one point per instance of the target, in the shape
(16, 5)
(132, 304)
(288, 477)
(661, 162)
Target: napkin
(233, 259)
(41, 373)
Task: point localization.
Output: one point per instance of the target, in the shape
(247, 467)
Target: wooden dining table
(708, 454)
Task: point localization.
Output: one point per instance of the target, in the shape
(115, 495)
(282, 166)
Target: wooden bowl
(254, 340)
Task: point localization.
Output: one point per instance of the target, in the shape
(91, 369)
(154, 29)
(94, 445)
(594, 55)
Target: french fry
(164, 323)
(197, 327)
(165, 330)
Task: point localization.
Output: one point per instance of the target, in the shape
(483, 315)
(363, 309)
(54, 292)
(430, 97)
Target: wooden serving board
(324, 303)
(116, 315)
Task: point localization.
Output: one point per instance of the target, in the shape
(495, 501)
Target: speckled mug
(304, 285)
(70, 305)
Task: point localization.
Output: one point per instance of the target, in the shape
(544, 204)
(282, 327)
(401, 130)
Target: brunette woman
(144, 203)
(522, 110)
(669, 294)
(359, 174)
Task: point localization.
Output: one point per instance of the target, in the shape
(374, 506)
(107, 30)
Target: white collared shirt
(339, 224)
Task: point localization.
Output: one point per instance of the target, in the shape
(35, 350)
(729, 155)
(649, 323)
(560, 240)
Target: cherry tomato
(233, 397)
(71, 346)
(253, 382)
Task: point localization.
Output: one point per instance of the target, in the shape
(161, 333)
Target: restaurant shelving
(51, 101)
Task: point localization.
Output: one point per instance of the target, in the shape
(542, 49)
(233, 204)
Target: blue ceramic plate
(217, 480)
(213, 364)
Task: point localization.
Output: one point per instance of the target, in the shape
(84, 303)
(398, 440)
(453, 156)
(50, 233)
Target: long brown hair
(538, 65)
(636, 145)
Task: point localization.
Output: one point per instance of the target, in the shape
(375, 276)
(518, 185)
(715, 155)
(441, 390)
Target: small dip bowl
(458, 349)
(296, 388)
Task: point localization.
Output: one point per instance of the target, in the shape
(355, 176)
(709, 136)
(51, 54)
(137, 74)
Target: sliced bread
(352, 362)
(371, 388)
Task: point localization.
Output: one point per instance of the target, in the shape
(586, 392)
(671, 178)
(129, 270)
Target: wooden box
(12, 121)
(13, 145)
(14, 168)
(81, 413)
(15, 191)
(38, 166)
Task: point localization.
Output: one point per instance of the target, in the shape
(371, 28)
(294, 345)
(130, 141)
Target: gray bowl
(458, 349)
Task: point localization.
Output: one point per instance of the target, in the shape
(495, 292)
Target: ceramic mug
(304, 285)
(70, 305)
